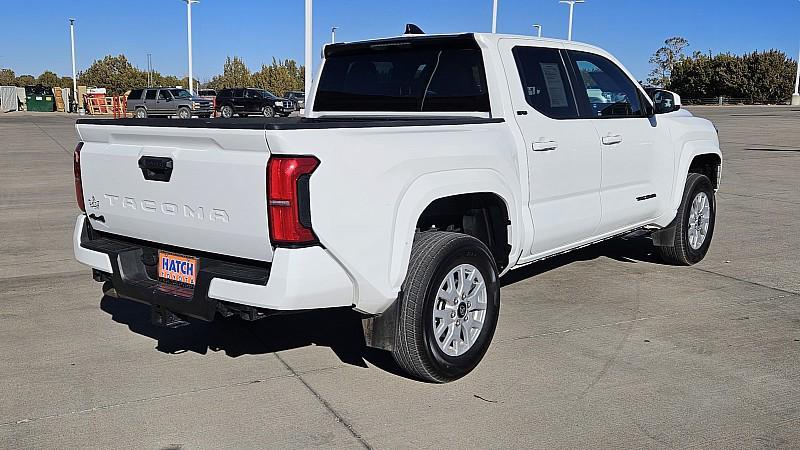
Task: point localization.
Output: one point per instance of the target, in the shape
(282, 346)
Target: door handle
(612, 139)
(544, 145)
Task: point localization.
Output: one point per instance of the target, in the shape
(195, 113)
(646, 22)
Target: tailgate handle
(156, 168)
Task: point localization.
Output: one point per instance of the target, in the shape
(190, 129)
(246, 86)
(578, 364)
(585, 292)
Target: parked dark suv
(249, 101)
(167, 102)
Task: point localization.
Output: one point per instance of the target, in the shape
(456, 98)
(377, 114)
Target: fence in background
(722, 101)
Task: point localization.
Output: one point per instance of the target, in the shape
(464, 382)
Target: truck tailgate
(194, 188)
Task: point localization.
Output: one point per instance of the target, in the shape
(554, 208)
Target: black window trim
(584, 108)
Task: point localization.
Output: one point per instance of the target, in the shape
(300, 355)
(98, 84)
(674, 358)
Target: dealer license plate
(178, 269)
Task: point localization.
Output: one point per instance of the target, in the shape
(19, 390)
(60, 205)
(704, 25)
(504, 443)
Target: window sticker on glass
(555, 85)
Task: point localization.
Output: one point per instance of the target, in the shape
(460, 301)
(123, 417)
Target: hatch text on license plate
(172, 267)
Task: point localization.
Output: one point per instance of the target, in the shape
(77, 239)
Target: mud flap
(664, 237)
(380, 330)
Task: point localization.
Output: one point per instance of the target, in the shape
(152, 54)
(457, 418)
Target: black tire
(433, 255)
(268, 111)
(184, 113)
(226, 111)
(141, 113)
(679, 251)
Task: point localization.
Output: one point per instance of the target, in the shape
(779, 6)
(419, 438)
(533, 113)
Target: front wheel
(184, 113)
(449, 306)
(693, 226)
(268, 111)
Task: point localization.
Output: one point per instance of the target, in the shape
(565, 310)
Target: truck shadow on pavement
(339, 329)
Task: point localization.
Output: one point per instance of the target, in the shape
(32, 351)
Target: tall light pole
(149, 70)
(309, 53)
(189, 39)
(538, 29)
(333, 34)
(494, 17)
(74, 76)
(571, 4)
(796, 95)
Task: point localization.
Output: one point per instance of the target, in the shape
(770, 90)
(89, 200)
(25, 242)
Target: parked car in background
(178, 102)
(250, 101)
(298, 97)
(209, 94)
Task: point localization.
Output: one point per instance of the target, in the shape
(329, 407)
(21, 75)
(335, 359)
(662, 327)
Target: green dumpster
(40, 98)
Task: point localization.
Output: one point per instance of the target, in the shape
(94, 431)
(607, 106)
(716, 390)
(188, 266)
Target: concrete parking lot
(605, 347)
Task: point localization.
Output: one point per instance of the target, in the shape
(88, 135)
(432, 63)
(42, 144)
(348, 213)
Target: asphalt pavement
(604, 347)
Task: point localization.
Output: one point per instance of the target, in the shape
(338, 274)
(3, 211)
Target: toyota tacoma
(424, 169)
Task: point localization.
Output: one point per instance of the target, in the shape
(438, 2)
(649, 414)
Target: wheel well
(481, 215)
(707, 165)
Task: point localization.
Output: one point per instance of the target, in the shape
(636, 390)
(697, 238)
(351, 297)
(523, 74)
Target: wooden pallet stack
(106, 105)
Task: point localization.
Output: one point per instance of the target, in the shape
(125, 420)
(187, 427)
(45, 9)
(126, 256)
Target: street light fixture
(571, 4)
(538, 29)
(74, 77)
(189, 39)
(333, 34)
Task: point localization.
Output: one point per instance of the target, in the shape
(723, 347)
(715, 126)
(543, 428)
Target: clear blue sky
(34, 39)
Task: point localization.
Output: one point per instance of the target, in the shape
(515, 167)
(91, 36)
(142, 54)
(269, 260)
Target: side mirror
(666, 101)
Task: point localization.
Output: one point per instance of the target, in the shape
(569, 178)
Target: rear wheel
(141, 113)
(226, 112)
(693, 226)
(449, 306)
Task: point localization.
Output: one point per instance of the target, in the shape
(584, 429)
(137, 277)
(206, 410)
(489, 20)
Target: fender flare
(432, 186)
(690, 150)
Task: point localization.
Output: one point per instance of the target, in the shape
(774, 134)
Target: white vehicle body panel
(215, 200)
(373, 183)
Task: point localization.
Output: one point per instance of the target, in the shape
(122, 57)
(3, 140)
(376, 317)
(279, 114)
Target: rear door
(562, 149)
(238, 101)
(636, 150)
(164, 102)
(150, 101)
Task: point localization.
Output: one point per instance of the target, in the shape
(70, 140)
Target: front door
(636, 151)
(562, 149)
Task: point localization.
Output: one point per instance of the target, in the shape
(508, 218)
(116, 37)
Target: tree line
(118, 75)
(757, 77)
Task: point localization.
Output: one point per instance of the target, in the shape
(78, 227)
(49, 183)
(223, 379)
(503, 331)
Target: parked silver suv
(178, 102)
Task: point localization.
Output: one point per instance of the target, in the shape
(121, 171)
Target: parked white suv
(427, 167)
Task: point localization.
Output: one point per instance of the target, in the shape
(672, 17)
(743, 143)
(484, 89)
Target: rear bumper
(297, 279)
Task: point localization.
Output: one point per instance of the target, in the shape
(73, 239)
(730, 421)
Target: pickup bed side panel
(359, 208)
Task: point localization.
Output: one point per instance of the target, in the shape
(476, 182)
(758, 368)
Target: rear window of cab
(404, 75)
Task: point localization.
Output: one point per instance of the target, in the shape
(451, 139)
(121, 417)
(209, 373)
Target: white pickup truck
(427, 166)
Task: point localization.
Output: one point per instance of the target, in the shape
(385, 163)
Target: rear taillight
(76, 168)
(288, 203)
